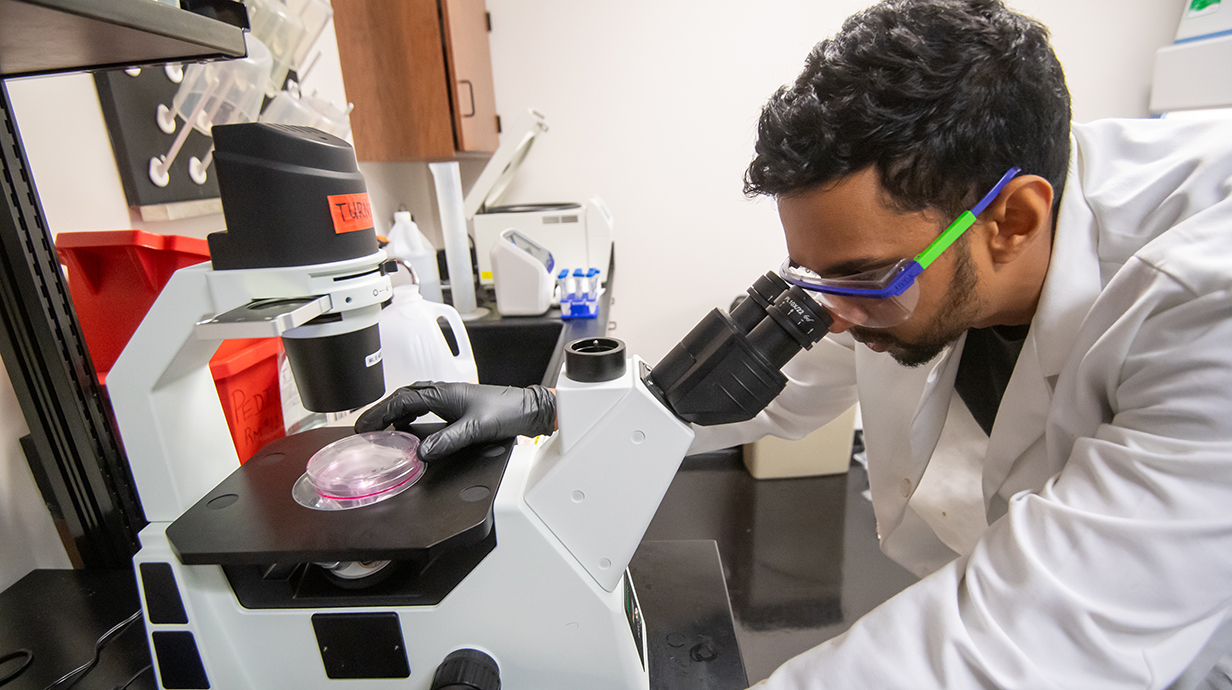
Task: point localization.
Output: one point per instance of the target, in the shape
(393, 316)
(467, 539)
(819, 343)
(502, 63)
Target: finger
(404, 405)
(451, 439)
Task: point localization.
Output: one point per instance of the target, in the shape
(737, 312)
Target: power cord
(135, 676)
(80, 672)
(4, 680)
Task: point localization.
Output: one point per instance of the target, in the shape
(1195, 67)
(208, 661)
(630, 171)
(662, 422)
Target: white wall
(653, 105)
(65, 137)
(28, 538)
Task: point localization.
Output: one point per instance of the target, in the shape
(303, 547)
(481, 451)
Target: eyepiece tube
(796, 321)
(720, 373)
(762, 294)
(745, 317)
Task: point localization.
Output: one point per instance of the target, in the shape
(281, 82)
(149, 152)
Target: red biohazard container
(114, 278)
(246, 376)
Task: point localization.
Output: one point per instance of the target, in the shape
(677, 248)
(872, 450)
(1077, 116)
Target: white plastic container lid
(366, 468)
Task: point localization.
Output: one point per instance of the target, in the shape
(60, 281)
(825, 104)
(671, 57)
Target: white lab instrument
(1190, 73)
(551, 602)
(246, 588)
(577, 234)
(522, 269)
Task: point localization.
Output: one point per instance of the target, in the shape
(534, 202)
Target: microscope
(503, 566)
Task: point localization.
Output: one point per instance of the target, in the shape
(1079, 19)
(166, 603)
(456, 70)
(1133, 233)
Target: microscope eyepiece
(795, 321)
(727, 368)
(594, 360)
(761, 296)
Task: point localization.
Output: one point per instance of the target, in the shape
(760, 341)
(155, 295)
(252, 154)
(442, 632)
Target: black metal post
(78, 458)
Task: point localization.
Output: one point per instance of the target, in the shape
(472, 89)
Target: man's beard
(959, 309)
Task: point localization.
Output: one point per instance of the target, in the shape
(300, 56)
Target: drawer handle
(471, 88)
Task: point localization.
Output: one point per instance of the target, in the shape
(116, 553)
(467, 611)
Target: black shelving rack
(74, 447)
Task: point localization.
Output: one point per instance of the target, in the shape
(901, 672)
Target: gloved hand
(475, 413)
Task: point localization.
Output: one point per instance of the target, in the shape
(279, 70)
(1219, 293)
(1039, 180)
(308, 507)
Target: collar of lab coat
(918, 398)
(1070, 288)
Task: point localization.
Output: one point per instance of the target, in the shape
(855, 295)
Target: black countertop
(525, 350)
(800, 556)
(58, 614)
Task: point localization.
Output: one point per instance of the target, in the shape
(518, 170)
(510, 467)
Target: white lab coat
(1107, 480)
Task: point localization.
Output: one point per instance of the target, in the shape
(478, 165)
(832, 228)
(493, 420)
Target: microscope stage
(252, 519)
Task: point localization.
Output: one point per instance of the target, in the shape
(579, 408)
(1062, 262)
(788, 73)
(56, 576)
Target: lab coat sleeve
(1115, 574)
(821, 385)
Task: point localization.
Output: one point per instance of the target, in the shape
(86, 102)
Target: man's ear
(1020, 216)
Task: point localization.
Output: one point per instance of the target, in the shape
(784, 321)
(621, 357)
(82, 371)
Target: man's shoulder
(1149, 132)
(1158, 190)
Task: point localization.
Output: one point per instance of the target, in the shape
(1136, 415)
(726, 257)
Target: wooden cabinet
(420, 75)
(470, 63)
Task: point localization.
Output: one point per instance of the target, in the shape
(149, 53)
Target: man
(1045, 384)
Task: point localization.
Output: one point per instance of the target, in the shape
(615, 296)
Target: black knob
(467, 669)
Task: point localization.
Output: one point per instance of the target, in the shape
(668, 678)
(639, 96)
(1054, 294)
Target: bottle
(408, 243)
(423, 341)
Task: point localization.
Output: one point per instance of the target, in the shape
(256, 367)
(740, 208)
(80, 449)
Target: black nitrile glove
(475, 413)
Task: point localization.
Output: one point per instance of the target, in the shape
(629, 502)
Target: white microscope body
(552, 604)
(545, 592)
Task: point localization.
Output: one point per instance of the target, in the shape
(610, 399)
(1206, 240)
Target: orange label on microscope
(350, 212)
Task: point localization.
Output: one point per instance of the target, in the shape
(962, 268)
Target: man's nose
(840, 324)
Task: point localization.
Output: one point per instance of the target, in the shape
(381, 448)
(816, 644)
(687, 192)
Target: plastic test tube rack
(579, 293)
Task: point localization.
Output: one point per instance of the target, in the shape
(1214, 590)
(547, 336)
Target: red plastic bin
(246, 376)
(114, 278)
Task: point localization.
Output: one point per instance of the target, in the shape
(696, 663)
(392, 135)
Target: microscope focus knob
(467, 669)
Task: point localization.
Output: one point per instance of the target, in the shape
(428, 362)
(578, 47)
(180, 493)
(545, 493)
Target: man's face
(846, 228)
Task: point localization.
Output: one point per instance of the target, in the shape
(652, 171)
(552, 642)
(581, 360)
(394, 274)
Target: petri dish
(360, 470)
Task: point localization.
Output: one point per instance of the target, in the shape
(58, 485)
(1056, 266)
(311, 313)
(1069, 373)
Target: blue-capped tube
(592, 292)
(562, 288)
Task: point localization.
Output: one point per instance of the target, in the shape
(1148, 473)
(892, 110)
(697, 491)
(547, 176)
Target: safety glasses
(885, 296)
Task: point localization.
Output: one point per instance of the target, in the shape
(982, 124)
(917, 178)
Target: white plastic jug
(408, 243)
(414, 347)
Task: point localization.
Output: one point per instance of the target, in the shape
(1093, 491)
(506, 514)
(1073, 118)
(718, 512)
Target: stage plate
(251, 518)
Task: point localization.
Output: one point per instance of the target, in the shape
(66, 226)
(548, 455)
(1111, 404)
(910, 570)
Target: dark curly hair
(942, 96)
